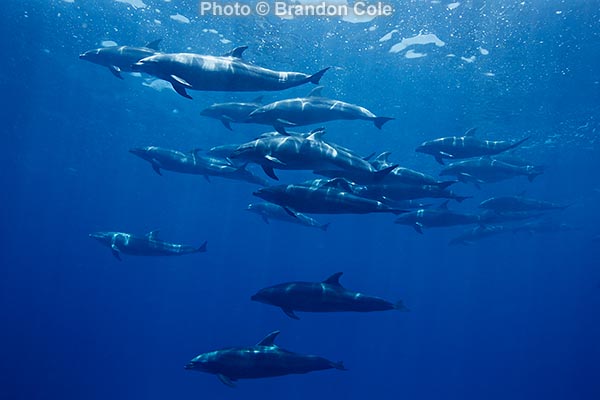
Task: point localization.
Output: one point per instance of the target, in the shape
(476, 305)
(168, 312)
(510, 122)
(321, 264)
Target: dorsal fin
(258, 100)
(237, 52)
(334, 279)
(269, 339)
(316, 134)
(383, 157)
(316, 92)
(153, 45)
(444, 205)
(471, 132)
(152, 235)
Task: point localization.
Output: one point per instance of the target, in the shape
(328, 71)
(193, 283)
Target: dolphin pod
(353, 184)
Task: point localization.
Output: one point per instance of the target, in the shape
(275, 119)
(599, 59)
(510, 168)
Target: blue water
(515, 316)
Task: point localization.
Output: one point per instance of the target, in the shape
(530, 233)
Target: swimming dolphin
(312, 109)
(264, 360)
(194, 163)
(503, 204)
(466, 146)
(487, 169)
(228, 73)
(400, 175)
(326, 296)
(390, 192)
(148, 245)
(436, 217)
(120, 58)
(543, 226)
(329, 197)
(273, 211)
(232, 112)
(477, 233)
(295, 152)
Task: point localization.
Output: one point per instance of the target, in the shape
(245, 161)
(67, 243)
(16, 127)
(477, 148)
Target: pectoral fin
(418, 227)
(156, 169)
(290, 313)
(270, 173)
(180, 90)
(226, 380)
(264, 218)
(181, 81)
(226, 124)
(115, 252)
(116, 71)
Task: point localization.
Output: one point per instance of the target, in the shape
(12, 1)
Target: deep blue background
(511, 317)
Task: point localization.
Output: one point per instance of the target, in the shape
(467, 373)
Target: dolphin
(296, 152)
(504, 204)
(466, 146)
(148, 245)
(398, 174)
(326, 296)
(312, 109)
(227, 73)
(542, 226)
(330, 197)
(436, 217)
(273, 211)
(487, 169)
(120, 58)
(401, 191)
(477, 233)
(194, 163)
(232, 112)
(264, 360)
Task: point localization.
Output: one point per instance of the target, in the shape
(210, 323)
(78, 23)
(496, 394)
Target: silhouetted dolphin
(194, 163)
(436, 217)
(148, 245)
(273, 211)
(465, 147)
(302, 152)
(120, 58)
(232, 112)
(228, 73)
(329, 197)
(487, 169)
(503, 204)
(312, 109)
(263, 360)
(325, 296)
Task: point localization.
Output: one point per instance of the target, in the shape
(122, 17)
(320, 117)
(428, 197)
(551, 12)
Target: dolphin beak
(137, 152)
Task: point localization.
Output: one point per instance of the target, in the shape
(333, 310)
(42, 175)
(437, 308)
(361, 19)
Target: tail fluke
(401, 307)
(315, 78)
(339, 365)
(202, 248)
(324, 227)
(379, 121)
(517, 144)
